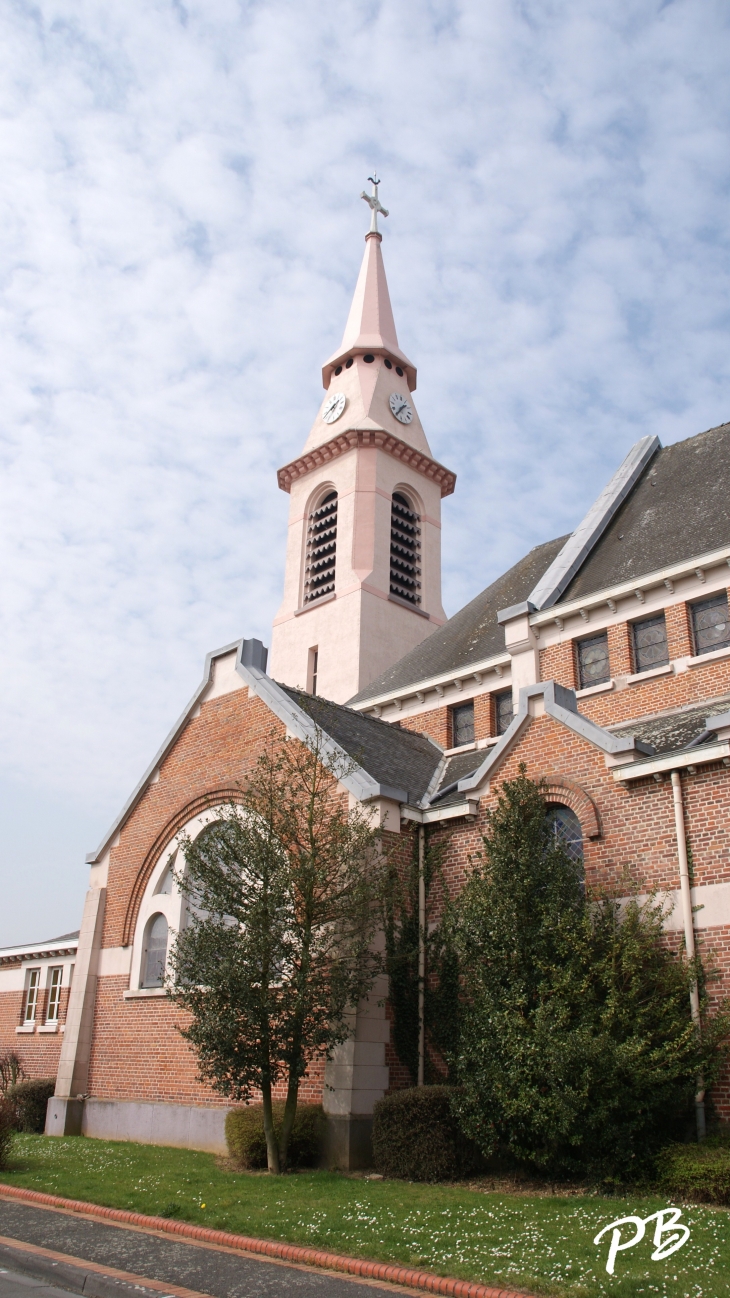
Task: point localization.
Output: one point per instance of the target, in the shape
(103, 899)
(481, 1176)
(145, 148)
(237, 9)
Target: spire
(370, 325)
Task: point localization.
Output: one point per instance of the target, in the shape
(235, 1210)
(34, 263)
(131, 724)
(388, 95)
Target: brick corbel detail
(356, 437)
(175, 823)
(562, 790)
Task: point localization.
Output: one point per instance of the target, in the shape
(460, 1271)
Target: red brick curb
(388, 1271)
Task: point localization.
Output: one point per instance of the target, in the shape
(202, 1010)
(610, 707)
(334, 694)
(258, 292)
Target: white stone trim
(588, 532)
(715, 655)
(603, 688)
(674, 572)
(667, 669)
(699, 756)
(172, 905)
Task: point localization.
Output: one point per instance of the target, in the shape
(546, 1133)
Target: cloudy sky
(181, 236)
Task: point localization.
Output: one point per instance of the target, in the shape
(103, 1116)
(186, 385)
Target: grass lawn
(543, 1244)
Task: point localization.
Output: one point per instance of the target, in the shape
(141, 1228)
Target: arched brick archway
(176, 822)
(559, 789)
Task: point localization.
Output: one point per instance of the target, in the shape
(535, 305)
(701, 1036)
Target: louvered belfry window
(319, 577)
(405, 550)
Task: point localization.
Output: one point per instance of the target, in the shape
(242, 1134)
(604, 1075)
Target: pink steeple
(370, 325)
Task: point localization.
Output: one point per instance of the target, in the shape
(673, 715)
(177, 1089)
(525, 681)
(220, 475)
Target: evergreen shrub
(7, 1126)
(577, 1050)
(416, 1136)
(247, 1143)
(700, 1173)
(29, 1100)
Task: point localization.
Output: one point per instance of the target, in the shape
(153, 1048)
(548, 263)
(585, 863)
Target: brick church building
(601, 659)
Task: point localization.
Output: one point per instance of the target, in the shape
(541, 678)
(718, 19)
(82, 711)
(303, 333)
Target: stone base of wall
(64, 1117)
(348, 1143)
(187, 1126)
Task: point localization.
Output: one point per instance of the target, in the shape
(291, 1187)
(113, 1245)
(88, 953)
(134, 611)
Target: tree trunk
(272, 1150)
(290, 1112)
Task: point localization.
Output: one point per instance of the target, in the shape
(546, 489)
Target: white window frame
(53, 1006)
(170, 904)
(32, 989)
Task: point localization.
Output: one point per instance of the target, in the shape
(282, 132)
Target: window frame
(585, 641)
(642, 622)
(53, 1002)
(31, 995)
(497, 695)
(708, 602)
(467, 705)
(147, 950)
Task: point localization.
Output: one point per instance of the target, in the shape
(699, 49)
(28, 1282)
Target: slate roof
(679, 508)
(456, 768)
(395, 757)
(473, 633)
(670, 734)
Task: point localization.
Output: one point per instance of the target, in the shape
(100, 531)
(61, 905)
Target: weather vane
(374, 204)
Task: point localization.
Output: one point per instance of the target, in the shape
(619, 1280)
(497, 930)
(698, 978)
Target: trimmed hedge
(247, 1143)
(697, 1172)
(7, 1127)
(29, 1100)
(417, 1138)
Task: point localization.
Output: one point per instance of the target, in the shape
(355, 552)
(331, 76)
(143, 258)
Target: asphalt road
(169, 1261)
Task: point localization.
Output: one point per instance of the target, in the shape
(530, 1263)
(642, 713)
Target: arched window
(405, 550)
(154, 956)
(566, 829)
(319, 576)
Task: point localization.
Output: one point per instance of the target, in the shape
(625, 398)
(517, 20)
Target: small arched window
(319, 576)
(154, 956)
(567, 831)
(405, 550)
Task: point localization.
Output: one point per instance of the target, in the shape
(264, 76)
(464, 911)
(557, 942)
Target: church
(601, 660)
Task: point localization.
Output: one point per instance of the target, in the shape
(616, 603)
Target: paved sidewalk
(203, 1270)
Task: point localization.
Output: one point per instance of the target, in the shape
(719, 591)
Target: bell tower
(363, 566)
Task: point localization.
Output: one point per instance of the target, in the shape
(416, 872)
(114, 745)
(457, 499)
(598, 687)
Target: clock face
(401, 407)
(333, 407)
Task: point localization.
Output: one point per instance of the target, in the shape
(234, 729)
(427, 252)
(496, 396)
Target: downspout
(689, 932)
(421, 953)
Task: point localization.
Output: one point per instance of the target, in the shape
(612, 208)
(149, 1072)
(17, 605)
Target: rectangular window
(650, 644)
(313, 669)
(502, 712)
(593, 668)
(55, 978)
(462, 725)
(31, 995)
(710, 624)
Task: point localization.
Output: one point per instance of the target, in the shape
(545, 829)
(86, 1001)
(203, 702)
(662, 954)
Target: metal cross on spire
(374, 204)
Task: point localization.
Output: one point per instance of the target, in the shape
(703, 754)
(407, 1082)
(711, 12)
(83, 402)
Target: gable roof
(678, 509)
(472, 634)
(402, 759)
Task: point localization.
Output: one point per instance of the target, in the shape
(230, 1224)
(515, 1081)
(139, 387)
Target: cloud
(182, 237)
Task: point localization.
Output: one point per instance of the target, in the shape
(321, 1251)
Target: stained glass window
(593, 666)
(650, 644)
(503, 711)
(462, 725)
(155, 953)
(567, 832)
(710, 624)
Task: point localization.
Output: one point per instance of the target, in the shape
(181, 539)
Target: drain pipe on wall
(421, 953)
(689, 931)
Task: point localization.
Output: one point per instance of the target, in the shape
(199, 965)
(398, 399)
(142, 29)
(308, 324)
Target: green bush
(247, 1143)
(7, 1127)
(697, 1172)
(29, 1100)
(417, 1138)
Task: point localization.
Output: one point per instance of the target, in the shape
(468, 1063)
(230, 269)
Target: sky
(181, 235)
